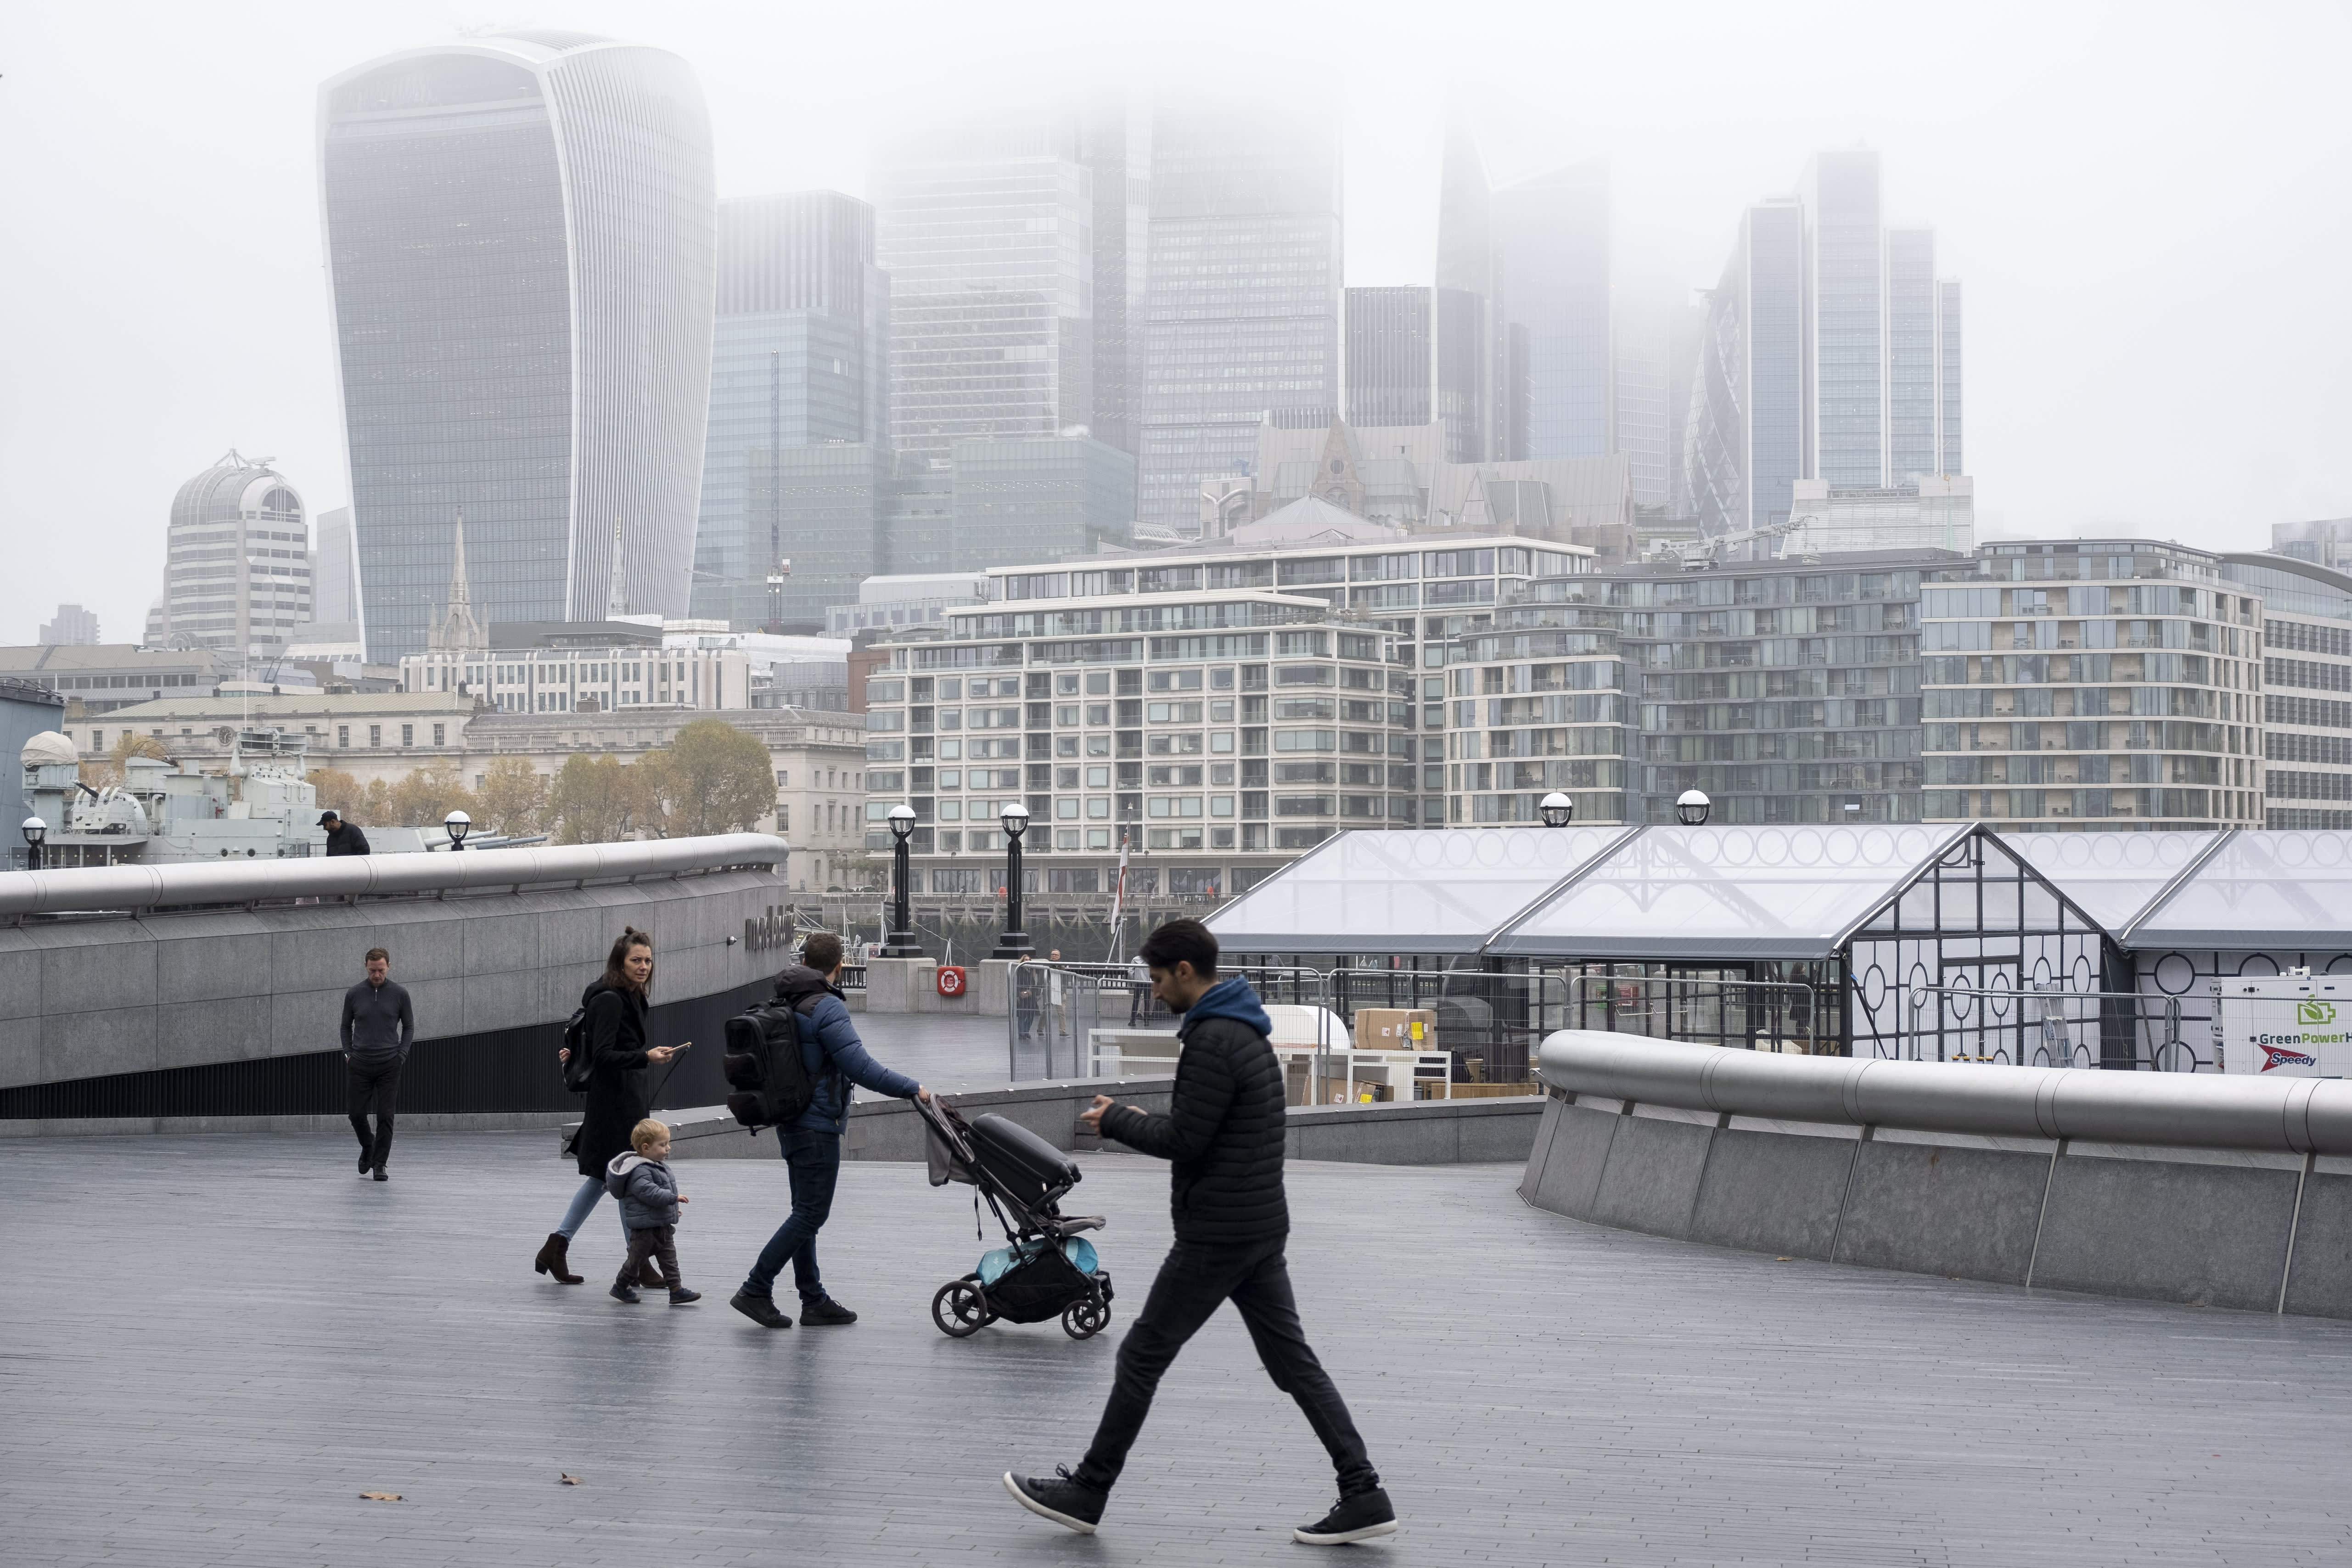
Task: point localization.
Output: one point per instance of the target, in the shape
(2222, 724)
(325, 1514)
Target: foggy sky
(2147, 206)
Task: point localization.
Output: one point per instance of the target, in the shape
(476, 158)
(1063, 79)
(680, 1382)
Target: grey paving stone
(209, 1346)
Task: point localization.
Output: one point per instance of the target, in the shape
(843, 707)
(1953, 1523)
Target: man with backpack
(1222, 1136)
(835, 1059)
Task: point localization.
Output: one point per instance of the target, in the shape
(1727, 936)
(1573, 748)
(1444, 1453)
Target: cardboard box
(1396, 1030)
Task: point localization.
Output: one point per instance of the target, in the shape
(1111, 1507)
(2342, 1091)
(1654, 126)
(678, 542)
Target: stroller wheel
(1086, 1317)
(960, 1310)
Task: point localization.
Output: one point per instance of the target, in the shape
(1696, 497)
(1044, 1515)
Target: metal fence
(2047, 1026)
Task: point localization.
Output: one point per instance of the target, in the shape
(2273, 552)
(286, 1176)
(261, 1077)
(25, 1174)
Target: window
(342, 735)
(783, 777)
(375, 734)
(438, 731)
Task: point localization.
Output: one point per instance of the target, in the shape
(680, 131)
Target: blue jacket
(835, 1057)
(647, 1191)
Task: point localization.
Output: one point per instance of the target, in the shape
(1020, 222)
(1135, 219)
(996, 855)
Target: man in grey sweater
(377, 1028)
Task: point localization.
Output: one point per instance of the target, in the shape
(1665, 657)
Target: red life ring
(949, 981)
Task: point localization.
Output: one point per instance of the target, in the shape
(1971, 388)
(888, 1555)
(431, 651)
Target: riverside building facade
(2112, 683)
(2306, 689)
(1217, 708)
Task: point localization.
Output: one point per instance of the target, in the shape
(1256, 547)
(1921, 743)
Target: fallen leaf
(1784, 1260)
(570, 1480)
(381, 1497)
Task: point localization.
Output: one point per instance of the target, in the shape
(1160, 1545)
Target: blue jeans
(815, 1161)
(591, 1189)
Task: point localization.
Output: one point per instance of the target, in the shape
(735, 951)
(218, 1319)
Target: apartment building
(2306, 689)
(2108, 683)
(1217, 708)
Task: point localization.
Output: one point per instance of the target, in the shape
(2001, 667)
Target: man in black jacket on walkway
(1224, 1135)
(377, 1028)
(342, 837)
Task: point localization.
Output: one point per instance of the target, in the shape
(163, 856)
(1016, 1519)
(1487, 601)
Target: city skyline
(2051, 233)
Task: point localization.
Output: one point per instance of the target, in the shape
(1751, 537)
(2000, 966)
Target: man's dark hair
(1181, 942)
(375, 953)
(823, 952)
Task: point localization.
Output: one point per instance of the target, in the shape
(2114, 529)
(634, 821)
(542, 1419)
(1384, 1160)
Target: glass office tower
(1846, 293)
(1243, 313)
(986, 231)
(1413, 356)
(519, 238)
(799, 358)
(1551, 246)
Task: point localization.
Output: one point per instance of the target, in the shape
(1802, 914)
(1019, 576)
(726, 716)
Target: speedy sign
(2286, 1026)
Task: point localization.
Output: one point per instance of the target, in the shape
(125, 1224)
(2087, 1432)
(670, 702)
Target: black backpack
(576, 1040)
(764, 1065)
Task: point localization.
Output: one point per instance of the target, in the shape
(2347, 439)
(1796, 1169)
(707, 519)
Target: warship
(165, 813)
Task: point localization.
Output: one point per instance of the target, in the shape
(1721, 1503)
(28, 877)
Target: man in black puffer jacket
(1224, 1136)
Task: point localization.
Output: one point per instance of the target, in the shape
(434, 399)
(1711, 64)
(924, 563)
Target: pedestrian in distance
(378, 1026)
(1139, 986)
(835, 1060)
(342, 837)
(1222, 1136)
(649, 1198)
(618, 1098)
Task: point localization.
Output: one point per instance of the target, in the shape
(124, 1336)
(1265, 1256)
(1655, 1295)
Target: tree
(429, 793)
(513, 797)
(712, 778)
(99, 774)
(593, 800)
(336, 789)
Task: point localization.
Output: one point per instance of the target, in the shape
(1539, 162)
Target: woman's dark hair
(821, 952)
(1181, 942)
(616, 963)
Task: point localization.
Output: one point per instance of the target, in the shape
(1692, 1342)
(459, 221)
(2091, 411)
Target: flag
(1117, 898)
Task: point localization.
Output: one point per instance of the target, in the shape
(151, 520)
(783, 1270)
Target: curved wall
(225, 1012)
(2197, 1189)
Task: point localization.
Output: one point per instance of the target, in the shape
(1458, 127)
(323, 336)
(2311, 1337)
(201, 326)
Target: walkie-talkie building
(521, 237)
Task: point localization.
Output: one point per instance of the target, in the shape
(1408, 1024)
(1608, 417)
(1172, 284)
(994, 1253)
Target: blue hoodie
(1229, 999)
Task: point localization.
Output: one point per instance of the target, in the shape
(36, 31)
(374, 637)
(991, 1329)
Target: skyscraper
(520, 249)
(1830, 351)
(74, 628)
(1118, 151)
(986, 231)
(1413, 356)
(1551, 249)
(798, 357)
(335, 591)
(1243, 314)
(237, 578)
(1466, 265)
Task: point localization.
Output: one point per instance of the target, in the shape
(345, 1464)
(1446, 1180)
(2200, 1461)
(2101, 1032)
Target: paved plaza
(209, 1347)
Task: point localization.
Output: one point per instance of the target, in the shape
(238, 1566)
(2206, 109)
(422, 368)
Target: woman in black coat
(618, 1095)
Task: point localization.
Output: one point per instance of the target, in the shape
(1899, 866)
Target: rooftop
(1556, 1392)
(299, 703)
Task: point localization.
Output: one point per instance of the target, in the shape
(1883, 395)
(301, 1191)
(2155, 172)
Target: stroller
(1046, 1268)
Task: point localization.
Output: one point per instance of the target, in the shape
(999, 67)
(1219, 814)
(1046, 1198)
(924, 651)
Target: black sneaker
(759, 1310)
(380, 1175)
(825, 1311)
(366, 1159)
(1357, 1517)
(679, 1296)
(1060, 1498)
(621, 1292)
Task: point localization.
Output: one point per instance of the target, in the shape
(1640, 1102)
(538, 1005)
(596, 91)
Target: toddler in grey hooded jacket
(647, 1191)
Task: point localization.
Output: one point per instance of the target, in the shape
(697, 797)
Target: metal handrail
(2302, 1116)
(2170, 1054)
(121, 888)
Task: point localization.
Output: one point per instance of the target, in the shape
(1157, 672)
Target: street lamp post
(34, 831)
(459, 824)
(901, 942)
(1014, 943)
(1692, 807)
(1556, 810)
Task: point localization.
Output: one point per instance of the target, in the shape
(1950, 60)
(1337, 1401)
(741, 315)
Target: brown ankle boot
(649, 1275)
(552, 1258)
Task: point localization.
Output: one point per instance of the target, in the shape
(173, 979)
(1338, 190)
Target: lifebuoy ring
(949, 981)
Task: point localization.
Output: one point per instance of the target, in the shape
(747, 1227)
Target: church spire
(616, 593)
(459, 630)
